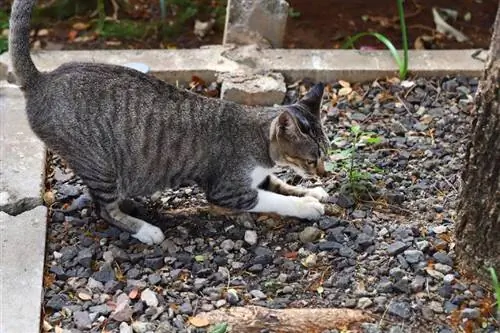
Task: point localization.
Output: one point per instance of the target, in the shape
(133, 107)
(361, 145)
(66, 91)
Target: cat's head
(297, 136)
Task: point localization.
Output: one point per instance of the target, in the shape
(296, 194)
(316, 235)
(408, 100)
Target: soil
(325, 25)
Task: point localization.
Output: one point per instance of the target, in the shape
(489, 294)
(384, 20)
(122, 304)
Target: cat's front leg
(306, 207)
(278, 186)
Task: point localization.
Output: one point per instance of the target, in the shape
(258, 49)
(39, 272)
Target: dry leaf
(133, 293)
(80, 26)
(72, 35)
(49, 198)
(345, 91)
(199, 321)
(344, 84)
(84, 296)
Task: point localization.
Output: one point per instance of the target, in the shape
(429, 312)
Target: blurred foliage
(4, 24)
(126, 19)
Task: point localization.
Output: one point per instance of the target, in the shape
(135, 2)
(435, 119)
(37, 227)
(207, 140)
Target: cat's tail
(19, 44)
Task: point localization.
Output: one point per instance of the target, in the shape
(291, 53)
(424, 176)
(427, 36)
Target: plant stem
(404, 36)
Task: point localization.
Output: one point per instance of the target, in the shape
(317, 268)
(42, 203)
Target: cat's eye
(311, 162)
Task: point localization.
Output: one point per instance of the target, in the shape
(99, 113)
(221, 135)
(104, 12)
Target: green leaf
(329, 166)
(496, 285)
(373, 140)
(351, 40)
(355, 129)
(219, 328)
(199, 258)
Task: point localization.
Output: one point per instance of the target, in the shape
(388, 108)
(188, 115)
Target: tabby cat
(126, 134)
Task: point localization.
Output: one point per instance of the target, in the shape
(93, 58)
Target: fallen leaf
(345, 91)
(72, 35)
(199, 321)
(344, 84)
(49, 198)
(133, 293)
(80, 26)
(84, 296)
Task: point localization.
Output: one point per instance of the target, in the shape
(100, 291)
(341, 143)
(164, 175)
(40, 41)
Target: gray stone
(364, 302)
(82, 320)
(417, 284)
(227, 245)
(22, 158)
(22, 236)
(105, 273)
(122, 312)
(445, 269)
(396, 248)
(470, 313)
(141, 326)
(413, 256)
(84, 257)
(186, 308)
(399, 308)
(370, 328)
(253, 89)
(261, 22)
(309, 234)
(258, 294)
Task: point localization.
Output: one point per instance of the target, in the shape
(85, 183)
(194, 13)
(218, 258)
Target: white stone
(149, 297)
(251, 237)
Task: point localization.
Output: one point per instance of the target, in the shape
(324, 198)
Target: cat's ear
(312, 100)
(287, 125)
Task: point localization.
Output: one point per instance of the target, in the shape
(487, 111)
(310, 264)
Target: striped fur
(128, 134)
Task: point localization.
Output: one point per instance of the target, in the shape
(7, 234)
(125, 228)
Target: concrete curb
(22, 251)
(22, 218)
(295, 64)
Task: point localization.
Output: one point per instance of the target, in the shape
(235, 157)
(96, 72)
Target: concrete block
(324, 65)
(254, 89)
(22, 250)
(261, 22)
(22, 155)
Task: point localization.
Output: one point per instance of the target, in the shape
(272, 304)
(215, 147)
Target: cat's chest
(259, 175)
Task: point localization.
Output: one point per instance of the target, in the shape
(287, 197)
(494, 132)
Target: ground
(326, 25)
(388, 249)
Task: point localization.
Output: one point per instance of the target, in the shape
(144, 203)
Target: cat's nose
(320, 169)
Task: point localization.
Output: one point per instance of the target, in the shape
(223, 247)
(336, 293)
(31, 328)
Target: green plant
(401, 62)
(496, 287)
(293, 13)
(345, 158)
(4, 24)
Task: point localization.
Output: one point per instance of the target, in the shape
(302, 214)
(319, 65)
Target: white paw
(309, 208)
(149, 234)
(318, 193)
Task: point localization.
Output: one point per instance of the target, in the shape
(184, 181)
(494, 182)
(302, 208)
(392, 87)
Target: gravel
(390, 251)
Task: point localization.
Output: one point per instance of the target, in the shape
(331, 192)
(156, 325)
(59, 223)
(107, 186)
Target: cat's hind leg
(105, 194)
(142, 230)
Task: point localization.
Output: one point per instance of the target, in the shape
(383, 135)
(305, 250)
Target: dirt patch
(324, 25)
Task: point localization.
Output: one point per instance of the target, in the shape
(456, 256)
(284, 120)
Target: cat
(128, 134)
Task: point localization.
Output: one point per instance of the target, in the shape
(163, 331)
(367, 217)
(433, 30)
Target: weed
(4, 24)
(402, 63)
(344, 159)
(293, 13)
(496, 288)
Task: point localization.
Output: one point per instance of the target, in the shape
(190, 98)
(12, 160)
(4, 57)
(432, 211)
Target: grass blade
(350, 43)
